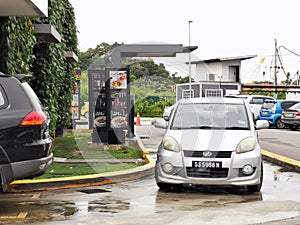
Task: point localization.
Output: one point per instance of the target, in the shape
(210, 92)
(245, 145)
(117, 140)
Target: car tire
(294, 127)
(86, 115)
(257, 187)
(279, 124)
(170, 187)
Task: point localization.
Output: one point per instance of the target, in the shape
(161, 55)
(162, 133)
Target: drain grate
(144, 137)
(93, 191)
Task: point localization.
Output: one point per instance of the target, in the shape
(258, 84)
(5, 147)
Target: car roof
(226, 100)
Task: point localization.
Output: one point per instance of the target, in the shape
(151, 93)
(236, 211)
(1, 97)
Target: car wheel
(257, 187)
(170, 187)
(279, 124)
(294, 127)
(86, 115)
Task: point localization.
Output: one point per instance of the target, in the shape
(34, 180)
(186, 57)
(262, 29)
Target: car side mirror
(166, 118)
(261, 124)
(160, 123)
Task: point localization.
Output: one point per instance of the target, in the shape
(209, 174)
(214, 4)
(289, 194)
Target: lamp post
(190, 72)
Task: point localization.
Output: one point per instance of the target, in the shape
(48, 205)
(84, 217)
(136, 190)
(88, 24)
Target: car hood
(217, 140)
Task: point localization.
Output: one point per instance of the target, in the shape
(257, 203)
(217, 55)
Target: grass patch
(75, 146)
(57, 170)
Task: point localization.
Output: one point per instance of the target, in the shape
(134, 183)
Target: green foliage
(53, 76)
(16, 42)
(54, 79)
(153, 106)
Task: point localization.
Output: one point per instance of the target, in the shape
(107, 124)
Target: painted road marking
(21, 215)
(36, 195)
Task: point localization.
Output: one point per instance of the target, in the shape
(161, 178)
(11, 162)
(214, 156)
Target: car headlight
(246, 145)
(170, 144)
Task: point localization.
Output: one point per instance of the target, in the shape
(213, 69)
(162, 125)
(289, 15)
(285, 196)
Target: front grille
(207, 173)
(215, 154)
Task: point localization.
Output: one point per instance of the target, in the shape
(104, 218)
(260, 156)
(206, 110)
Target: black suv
(25, 143)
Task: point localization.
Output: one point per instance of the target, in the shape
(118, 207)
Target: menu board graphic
(118, 79)
(119, 97)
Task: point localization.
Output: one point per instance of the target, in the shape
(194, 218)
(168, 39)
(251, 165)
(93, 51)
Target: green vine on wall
(16, 41)
(53, 76)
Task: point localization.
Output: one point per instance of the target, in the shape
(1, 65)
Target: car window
(257, 100)
(3, 100)
(286, 105)
(210, 116)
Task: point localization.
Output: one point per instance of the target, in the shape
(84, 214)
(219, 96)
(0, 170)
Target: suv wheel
(279, 124)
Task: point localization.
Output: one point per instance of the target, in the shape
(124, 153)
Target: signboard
(110, 106)
(75, 101)
(119, 98)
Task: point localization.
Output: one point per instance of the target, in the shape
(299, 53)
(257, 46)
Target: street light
(190, 70)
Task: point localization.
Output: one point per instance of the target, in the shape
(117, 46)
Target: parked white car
(255, 102)
(210, 141)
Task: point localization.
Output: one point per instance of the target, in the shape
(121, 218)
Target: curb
(283, 161)
(87, 180)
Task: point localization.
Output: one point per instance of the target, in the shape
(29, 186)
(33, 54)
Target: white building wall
(204, 69)
(226, 72)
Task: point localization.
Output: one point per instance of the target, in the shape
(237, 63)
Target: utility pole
(190, 70)
(275, 69)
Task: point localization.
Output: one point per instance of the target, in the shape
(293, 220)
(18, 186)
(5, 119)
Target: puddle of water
(34, 211)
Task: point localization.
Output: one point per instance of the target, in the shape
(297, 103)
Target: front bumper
(231, 170)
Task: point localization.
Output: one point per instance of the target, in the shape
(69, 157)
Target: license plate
(206, 164)
(289, 115)
(265, 113)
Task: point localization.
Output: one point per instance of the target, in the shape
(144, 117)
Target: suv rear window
(3, 101)
(286, 105)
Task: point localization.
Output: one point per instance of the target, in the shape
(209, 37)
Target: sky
(220, 28)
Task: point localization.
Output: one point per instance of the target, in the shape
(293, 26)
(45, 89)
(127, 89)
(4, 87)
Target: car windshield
(210, 116)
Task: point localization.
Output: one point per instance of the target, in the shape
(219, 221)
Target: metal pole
(275, 70)
(190, 73)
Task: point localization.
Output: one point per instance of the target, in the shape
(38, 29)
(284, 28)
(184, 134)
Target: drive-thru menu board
(119, 98)
(109, 90)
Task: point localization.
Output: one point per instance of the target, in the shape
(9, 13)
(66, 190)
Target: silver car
(213, 142)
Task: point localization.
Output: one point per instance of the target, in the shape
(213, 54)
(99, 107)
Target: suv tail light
(34, 118)
(298, 114)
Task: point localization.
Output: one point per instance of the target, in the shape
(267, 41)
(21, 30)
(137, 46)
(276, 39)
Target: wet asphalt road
(141, 202)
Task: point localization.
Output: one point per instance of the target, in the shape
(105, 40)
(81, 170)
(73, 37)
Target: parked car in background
(291, 116)
(211, 142)
(255, 102)
(25, 143)
(85, 109)
(272, 111)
